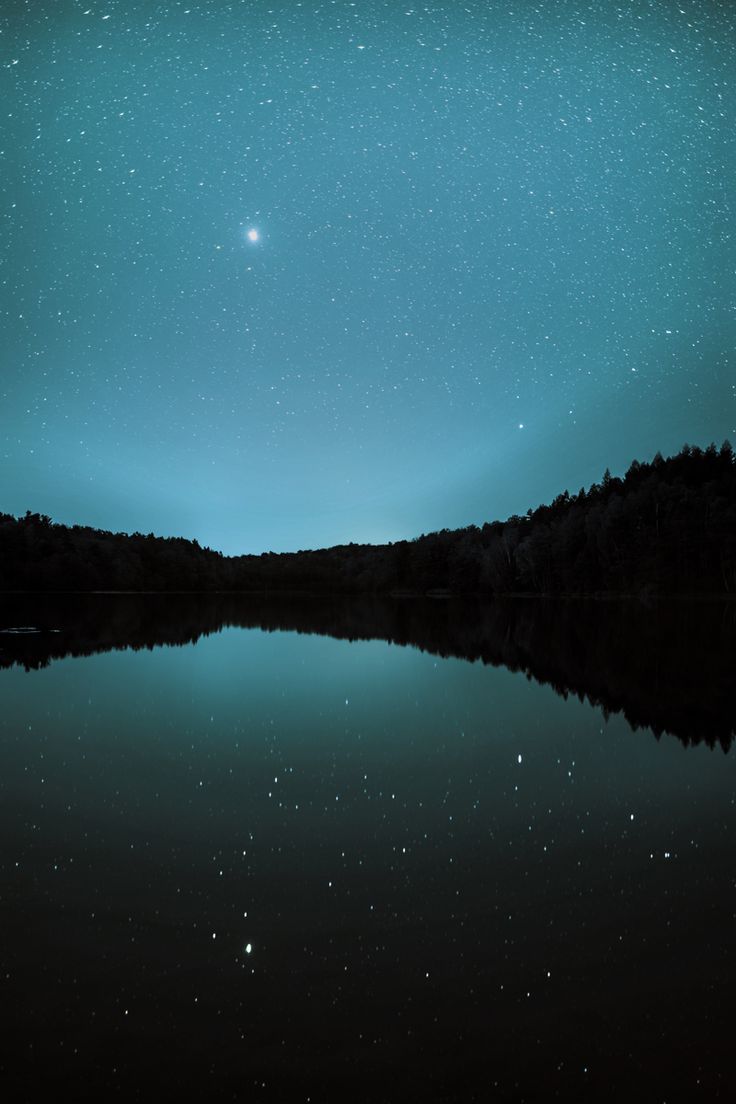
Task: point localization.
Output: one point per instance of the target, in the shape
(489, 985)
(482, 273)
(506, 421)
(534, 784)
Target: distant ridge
(666, 527)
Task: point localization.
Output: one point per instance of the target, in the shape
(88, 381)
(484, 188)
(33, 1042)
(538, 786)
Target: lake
(372, 850)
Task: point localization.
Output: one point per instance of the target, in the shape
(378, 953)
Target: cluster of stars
(470, 220)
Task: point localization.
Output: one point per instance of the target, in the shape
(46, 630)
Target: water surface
(272, 863)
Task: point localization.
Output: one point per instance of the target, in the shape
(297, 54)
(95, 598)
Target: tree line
(666, 527)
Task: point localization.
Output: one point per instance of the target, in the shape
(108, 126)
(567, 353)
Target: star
(253, 234)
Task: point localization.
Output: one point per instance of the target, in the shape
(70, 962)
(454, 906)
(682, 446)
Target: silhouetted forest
(666, 665)
(667, 527)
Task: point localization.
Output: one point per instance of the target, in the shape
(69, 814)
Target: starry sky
(279, 275)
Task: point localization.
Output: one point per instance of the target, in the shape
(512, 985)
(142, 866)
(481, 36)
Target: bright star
(253, 235)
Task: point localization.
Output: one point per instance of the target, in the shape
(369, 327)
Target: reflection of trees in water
(664, 665)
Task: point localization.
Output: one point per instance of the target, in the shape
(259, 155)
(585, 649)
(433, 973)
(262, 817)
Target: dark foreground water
(287, 865)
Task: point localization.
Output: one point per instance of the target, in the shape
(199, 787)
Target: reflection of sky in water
(272, 837)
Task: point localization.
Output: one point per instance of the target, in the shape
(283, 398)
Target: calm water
(282, 865)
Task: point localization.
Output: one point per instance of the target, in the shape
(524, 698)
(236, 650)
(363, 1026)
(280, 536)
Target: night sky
(283, 275)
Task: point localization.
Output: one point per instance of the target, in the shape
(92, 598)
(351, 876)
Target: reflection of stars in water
(253, 234)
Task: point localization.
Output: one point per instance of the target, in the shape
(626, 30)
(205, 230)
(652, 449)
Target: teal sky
(281, 275)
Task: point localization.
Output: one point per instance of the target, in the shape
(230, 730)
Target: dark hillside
(666, 527)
